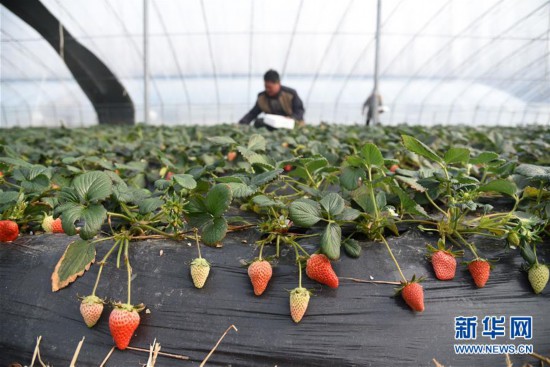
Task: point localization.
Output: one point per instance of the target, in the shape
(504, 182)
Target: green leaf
(218, 200)
(221, 140)
(412, 182)
(263, 201)
(362, 197)
(196, 204)
(8, 197)
(77, 258)
(333, 204)
(330, 241)
(37, 185)
(416, 146)
(501, 185)
(314, 163)
(349, 179)
(352, 248)
(93, 186)
(198, 219)
(457, 155)
(265, 177)
(484, 157)
(305, 212)
(149, 205)
(256, 143)
(348, 214)
(93, 217)
(241, 190)
(381, 200)
(372, 155)
(122, 193)
(16, 162)
(38, 170)
(214, 231)
(533, 171)
(409, 205)
(70, 213)
(186, 181)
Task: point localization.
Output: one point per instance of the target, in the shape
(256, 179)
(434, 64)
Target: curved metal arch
(211, 51)
(358, 61)
(443, 48)
(176, 60)
(296, 21)
(475, 54)
(327, 49)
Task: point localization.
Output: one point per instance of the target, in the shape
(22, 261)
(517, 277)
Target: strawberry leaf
(330, 241)
(418, 147)
(333, 204)
(372, 155)
(349, 179)
(214, 231)
(218, 200)
(501, 186)
(305, 212)
(352, 248)
(457, 155)
(186, 181)
(93, 186)
(76, 259)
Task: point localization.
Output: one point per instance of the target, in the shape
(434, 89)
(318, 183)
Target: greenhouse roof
(479, 62)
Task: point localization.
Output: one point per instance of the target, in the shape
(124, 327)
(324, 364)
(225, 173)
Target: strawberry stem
(103, 263)
(435, 205)
(261, 250)
(300, 274)
(295, 245)
(118, 256)
(197, 241)
(393, 258)
(278, 241)
(468, 244)
(128, 267)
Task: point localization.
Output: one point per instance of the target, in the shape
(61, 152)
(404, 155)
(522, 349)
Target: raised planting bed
(358, 324)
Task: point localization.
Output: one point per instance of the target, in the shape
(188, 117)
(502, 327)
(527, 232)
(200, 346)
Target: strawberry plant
(338, 185)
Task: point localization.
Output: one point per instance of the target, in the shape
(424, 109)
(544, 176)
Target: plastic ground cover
(355, 325)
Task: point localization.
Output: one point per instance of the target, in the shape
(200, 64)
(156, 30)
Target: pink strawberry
(91, 309)
(260, 273)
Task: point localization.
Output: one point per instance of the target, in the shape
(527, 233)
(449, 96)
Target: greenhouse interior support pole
(146, 61)
(374, 101)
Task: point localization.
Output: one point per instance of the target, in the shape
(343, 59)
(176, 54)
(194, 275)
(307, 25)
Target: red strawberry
(394, 168)
(231, 156)
(287, 168)
(123, 321)
(413, 293)
(260, 273)
(444, 264)
(480, 270)
(320, 269)
(91, 309)
(299, 300)
(8, 231)
(169, 175)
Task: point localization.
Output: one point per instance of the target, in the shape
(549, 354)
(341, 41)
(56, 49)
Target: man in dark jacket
(277, 100)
